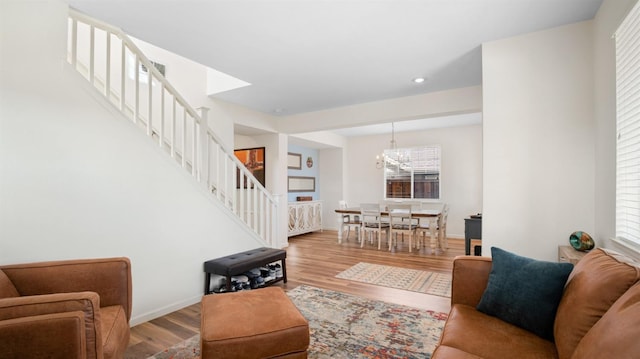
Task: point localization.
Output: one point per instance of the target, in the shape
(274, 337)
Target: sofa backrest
(596, 282)
(7, 289)
(616, 334)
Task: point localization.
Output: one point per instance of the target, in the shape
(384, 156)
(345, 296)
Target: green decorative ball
(581, 241)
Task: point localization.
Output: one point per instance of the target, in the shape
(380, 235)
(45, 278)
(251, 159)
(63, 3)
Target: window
(412, 172)
(628, 128)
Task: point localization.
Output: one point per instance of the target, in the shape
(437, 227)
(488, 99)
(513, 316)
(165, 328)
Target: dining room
(354, 173)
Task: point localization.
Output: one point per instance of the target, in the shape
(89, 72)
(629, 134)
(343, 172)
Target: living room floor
(314, 259)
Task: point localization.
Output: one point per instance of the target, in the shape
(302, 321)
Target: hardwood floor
(312, 259)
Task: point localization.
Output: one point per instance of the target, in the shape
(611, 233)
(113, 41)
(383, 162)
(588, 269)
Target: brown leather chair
(65, 309)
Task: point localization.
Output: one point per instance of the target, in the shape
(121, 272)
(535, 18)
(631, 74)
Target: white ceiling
(307, 55)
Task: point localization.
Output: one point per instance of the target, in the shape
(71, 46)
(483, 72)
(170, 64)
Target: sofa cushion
(115, 331)
(617, 332)
(597, 281)
(7, 289)
(524, 291)
(444, 351)
(51, 336)
(479, 334)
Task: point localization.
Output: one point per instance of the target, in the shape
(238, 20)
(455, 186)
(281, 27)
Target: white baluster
(173, 129)
(203, 139)
(123, 75)
(194, 145)
(161, 129)
(184, 137)
(136, 107)
(74, 43)
(92, 54)
(150, 103)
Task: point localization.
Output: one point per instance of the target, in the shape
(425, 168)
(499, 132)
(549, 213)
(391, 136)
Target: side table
(569, 255)
(472, 229)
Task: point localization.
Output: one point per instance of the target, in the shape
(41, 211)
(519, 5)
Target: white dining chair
(441, 229)
(349, 221)
(401, 222)
(372, 223)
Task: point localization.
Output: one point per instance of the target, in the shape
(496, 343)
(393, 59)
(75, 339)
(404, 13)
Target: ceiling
(308, 55)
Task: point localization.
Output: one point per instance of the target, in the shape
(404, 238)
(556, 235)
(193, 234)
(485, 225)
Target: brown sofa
(65, 309)
(597, 317)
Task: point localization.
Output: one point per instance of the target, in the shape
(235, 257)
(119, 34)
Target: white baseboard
(145, 317)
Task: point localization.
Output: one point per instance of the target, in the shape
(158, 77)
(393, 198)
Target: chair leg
(392, 236)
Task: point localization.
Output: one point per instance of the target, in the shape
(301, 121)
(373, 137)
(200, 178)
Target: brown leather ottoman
(260, 323)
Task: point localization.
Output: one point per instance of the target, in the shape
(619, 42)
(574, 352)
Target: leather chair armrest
(59, 335)
(27, 310)
(109, 277)
(469, 279)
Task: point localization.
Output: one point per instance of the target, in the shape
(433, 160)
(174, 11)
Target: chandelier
(381, 159)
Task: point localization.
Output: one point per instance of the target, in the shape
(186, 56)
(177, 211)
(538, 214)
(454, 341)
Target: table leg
(442, 239)
(433, 223)
(467, 244)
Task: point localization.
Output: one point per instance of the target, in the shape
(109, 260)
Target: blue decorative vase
(581, 241)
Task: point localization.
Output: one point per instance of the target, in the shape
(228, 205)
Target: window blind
(627, 39)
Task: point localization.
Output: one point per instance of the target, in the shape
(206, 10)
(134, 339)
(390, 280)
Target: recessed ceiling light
(418, 80)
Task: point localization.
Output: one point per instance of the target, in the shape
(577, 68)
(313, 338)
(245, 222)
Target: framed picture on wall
(254, 160)
(294, 161)
(301, 184)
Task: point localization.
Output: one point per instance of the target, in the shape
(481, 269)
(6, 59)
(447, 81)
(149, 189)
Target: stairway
(111, 62)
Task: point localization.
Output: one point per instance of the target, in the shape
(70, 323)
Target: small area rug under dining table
(347, 326)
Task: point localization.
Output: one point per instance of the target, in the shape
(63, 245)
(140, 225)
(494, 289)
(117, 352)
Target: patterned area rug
(346, 326)
(400, 278)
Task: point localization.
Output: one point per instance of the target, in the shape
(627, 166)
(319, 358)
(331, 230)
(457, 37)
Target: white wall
(331, 185)
(539, 132)
(605, 24)
(461, 179)
(77, 181)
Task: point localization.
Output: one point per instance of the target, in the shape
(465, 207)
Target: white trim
(625, 247)
(145, 317)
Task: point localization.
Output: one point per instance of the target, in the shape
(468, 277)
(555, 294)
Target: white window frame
(627, 39)
(430, 162)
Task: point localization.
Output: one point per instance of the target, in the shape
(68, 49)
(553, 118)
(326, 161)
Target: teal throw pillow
(524, 292)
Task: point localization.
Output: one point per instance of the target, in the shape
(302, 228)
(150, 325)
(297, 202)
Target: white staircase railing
(114, 65)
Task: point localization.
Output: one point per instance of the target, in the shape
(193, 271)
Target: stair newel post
(279, 221)
(203, 147)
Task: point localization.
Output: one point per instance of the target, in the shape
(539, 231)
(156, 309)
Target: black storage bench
(239, 263)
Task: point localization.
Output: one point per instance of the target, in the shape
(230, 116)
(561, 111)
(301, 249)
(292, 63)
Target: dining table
(431, 216)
